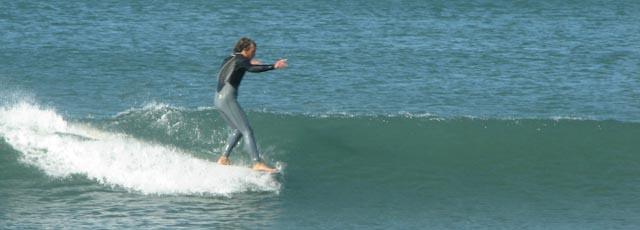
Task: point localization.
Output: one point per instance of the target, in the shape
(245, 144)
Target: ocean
(391, 115)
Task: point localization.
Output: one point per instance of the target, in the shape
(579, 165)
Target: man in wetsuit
(229, 78)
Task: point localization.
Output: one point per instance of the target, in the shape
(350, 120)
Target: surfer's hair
(243, 44)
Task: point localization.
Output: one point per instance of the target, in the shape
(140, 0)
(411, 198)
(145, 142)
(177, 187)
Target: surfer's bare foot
(224, 161)
(263, 167)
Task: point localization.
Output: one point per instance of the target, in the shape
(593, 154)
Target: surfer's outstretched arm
(279, 64)
(257, 66)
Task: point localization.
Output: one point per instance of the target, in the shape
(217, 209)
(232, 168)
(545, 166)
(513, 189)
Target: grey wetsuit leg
(232, 141)
(232, 113)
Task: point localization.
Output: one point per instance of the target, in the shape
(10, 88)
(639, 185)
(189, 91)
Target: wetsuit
(229, 78)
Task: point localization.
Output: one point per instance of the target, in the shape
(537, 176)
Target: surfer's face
(249, 52)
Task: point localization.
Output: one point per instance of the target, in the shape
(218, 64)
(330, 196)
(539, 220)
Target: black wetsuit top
(234, 68)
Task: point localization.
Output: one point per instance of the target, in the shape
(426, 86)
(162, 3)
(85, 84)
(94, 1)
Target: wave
(160, 149)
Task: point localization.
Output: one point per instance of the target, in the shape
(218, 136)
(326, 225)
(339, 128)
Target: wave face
(160, 142)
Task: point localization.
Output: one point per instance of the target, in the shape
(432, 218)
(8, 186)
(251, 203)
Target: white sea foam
(61, 149)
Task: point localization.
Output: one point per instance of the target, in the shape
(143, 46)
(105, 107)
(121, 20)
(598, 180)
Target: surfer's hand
(256, 62)
(282, 63)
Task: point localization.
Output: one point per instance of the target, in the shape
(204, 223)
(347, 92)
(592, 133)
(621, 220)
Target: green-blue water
(391, 115)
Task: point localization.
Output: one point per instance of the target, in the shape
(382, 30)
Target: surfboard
(248, 169)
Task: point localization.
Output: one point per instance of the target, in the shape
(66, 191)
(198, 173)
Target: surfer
(231, 73)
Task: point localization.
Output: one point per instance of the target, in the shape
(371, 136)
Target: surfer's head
(246, 46)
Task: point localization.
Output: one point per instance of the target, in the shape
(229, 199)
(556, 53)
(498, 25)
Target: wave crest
(60, 149)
